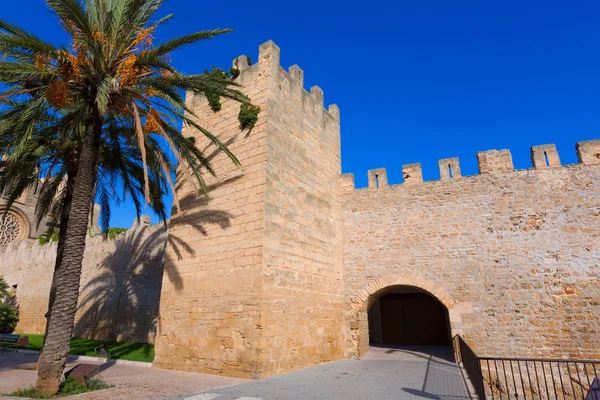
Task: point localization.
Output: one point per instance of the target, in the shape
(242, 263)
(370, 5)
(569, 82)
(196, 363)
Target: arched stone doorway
(358, 320)
(408, 316)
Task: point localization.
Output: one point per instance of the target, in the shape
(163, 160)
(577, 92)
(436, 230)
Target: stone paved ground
(131, 382)
(383, 374)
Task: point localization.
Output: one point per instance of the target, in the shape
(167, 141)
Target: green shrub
(234, 72)
(248, 115)
(50, 236)
(214, 100)
(9, 316)
(112, 233)
(67, 388)
(3, 288)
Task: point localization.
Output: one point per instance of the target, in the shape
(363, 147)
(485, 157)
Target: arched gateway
(407, 315)
(402, 310)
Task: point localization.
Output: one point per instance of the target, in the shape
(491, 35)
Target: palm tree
(112, 73)
(50, 153)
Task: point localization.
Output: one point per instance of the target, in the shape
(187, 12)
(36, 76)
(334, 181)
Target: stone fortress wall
(277, 270)
(514, 255)
(120, 283)
(260, 276)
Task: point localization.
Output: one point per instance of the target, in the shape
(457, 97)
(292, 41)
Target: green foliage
(44, 90)
(234, 72)
(50, 236)
(3, 288)
(112, 233)
(248, 115)
(9, 316)
(214, 99)
(69, 387)
(99, 116)
(85, 347)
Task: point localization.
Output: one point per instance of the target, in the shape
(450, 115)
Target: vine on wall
(248, 114)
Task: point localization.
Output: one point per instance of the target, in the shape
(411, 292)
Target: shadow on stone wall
(121, 302)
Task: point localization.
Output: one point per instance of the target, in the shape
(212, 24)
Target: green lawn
(85, 347)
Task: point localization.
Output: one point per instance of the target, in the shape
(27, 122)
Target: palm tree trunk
(62, 232)
(63, 304)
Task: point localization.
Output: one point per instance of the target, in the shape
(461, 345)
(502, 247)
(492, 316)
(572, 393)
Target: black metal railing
(529, 378)
(470, 362)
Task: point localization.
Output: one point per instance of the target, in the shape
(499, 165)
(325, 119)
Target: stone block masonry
(120, 284)
(512, 254)
(259, 264)
(277, 270)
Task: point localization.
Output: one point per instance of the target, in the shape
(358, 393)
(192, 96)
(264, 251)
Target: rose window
(9, 228)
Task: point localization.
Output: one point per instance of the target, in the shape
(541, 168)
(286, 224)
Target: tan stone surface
(512, 254)
(277, 270)
(261, 284)
(120, 284)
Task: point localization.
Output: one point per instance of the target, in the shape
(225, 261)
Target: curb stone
(75, 357)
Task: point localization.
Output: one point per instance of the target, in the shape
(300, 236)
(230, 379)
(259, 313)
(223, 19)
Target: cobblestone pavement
(384, 374)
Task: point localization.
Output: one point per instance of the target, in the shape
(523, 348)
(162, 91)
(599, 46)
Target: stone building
(288, 264)
(19, 222)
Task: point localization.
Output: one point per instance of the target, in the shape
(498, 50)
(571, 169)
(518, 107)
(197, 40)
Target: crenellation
(377, 178)
(316, 100)
(316, 93)
(412, 173)
(588, 152)
(269, 53)
(297, 78)
(500, 161)
(334, 113)
(545, 156)
(292, 80)
(449, 168)
(241, 63)
(494, 161)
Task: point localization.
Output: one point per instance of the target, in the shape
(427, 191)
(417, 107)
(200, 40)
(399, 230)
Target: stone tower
(253, 280)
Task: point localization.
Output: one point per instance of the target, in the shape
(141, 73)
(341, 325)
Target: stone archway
(357, 316)
(408, 316)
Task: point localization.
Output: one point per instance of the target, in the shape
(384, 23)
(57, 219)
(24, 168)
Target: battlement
(291, 81)
(489, 162)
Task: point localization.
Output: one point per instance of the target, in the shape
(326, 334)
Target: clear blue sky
(416, 80)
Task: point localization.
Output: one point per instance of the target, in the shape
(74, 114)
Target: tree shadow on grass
(118, 350)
